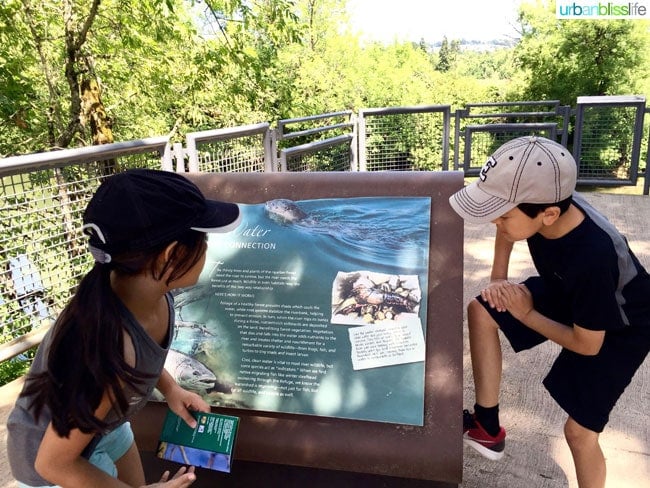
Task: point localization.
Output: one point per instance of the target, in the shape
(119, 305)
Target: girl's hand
(493, 294)
(183, 477)
(518, 300)
(183, 402)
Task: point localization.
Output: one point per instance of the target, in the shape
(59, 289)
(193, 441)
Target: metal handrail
(50, 159)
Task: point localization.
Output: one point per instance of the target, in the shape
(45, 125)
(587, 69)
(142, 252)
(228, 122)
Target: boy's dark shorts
(586, 387)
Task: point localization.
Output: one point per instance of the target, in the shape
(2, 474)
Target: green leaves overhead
(564, 59)
(178, 66)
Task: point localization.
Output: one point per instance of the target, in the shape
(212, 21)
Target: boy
(592, 297)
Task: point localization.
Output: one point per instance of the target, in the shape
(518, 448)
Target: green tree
(564, 59)
(248, 41)
(17, 93)
(71, 45)
(447, 54)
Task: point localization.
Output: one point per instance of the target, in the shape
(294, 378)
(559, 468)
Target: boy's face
(515, 225)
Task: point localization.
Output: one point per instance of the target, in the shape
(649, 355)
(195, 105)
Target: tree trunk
(94, 113)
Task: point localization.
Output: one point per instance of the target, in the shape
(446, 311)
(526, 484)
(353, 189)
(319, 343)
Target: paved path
(536, 454)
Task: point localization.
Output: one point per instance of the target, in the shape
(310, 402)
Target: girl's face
(515, 225)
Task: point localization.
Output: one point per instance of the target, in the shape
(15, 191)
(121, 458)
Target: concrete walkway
(536, 453)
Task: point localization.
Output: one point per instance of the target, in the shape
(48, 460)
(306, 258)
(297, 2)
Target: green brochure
(208, 445)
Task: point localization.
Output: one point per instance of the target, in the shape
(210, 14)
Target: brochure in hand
(209, 445)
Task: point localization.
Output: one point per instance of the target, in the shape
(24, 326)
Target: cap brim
(219, 217)
(476, 206)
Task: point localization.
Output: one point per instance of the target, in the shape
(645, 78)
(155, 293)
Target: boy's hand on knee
(493, 294)
(518, 300)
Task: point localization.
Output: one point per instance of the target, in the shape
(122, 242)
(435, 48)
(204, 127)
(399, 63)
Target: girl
(104, 355)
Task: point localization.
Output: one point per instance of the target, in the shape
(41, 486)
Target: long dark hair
(86, 354)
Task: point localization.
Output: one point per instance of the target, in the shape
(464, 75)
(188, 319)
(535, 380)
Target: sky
(412, 20)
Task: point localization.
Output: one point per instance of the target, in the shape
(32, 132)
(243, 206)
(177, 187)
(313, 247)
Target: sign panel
(315, 307)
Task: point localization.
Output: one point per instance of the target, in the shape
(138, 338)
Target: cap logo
(491, 163)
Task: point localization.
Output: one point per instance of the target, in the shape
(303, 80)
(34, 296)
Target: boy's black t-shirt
(592, 271)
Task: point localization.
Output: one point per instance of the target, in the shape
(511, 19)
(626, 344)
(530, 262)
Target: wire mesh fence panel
(481, 141)
(404, 141)
(239, 154)
(323, 142)
(303, 130)
(606, 143)
(332, 156)
(42, 249)
(483, 127)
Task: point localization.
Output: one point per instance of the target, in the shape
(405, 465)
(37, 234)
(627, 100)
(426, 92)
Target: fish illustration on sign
(188, 372)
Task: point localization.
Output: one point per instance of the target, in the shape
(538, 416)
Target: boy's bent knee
(576, 435)
(477, 316)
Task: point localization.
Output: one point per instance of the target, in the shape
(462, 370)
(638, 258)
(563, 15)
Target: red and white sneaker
(475, 436)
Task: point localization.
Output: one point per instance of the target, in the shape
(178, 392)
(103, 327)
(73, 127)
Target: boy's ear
(550, 215)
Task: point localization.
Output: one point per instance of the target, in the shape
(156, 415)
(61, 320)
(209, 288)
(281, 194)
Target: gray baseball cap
(524, 170)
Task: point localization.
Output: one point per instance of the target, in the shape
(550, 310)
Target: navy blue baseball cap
(141, 209)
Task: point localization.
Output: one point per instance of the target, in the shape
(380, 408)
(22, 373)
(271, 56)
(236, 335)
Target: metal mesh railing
(42, 250)
(42, 254)
(609, 136)
(239, 149)
(482, 127)
(332, 154)
(244, 154)
(324, 142)
(605, 150)
(405, 139)
(480, 141)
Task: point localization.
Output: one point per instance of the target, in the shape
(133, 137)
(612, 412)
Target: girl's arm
(181, 401)
(60, 462)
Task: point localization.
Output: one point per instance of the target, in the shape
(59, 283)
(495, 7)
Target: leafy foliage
(12, 369)
(179, 66)
(564, 59)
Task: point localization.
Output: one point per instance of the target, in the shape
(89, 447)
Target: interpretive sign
(338, 214)
(314, 307)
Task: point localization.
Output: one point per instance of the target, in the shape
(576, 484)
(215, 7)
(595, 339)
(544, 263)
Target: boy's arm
(501, 259)
(583, 341)
(499, 275)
